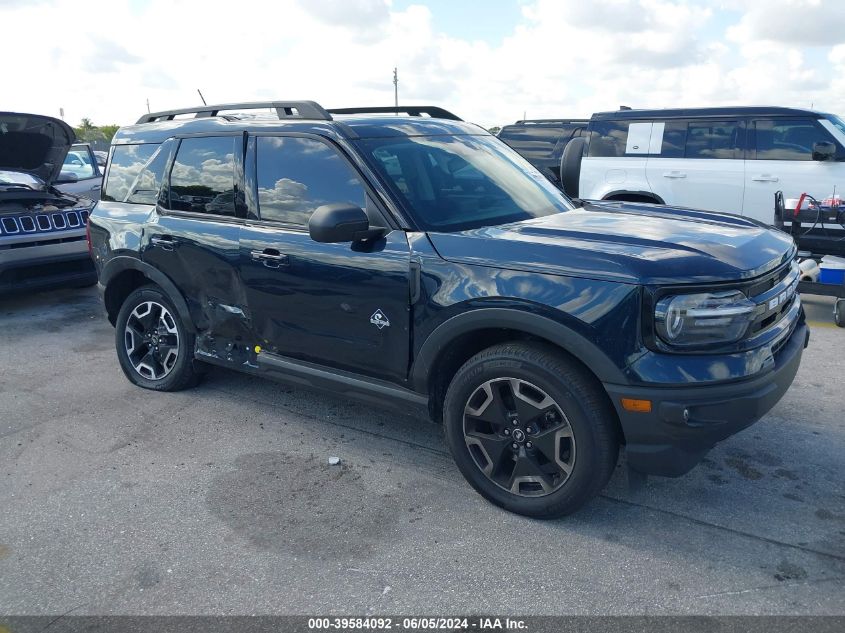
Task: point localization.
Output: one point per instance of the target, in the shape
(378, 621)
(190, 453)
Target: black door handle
(165, 242)
(270, 257)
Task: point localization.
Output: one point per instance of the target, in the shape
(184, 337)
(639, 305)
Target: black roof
(723, 111)
(550, 122)
(297, 116)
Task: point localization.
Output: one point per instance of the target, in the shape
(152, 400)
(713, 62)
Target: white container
(809, 270)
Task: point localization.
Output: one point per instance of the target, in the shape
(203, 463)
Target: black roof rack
(284, 110)
(432, 111)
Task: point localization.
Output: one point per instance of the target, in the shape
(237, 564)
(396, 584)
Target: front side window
(454, 183)
(126, 164)
(713, 139)
(296, 175)
(785, 139)
(203, 176)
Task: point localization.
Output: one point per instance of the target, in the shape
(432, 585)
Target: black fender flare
(122, 263)
(528, 322)
(621, 192)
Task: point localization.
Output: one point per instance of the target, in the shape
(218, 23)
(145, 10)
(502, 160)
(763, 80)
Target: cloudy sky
(489, 62)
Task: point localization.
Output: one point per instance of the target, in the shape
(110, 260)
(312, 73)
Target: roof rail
(284, 110)
(432, 111)
(524, 121)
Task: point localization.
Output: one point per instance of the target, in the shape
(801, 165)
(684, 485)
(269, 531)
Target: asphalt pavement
(220, 500)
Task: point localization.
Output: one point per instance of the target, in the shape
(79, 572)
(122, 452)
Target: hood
(34, 144)
(628, 243)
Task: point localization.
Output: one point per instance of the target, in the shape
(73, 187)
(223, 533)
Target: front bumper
(66, 263)
(686, 422)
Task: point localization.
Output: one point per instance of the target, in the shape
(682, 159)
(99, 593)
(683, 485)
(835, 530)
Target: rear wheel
(154, 348)
(530, 430)
(839, 312)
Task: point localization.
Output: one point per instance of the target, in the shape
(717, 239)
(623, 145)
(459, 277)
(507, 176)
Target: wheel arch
(122, 274)
(627, 195)
(459, 338)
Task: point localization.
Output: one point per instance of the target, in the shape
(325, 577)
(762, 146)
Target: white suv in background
(730, 159)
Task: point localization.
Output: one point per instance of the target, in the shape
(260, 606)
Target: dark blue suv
(411, 258)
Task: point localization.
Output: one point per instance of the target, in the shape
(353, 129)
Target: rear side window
(127, 161)
(713, 139)
(203, 176)
(296, 175)
(785, 139)
(674, 139)
(540, 141)
(608, 138)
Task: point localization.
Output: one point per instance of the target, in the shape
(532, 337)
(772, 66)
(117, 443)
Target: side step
(343, 383)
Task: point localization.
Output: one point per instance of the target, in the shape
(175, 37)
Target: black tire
(588, 419)
(162, 371)
(570, 166)
(839, 312)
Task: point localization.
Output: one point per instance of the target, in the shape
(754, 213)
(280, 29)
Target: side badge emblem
(379, 320)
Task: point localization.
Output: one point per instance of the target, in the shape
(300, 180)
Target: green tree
(109, 131)
(495, 129)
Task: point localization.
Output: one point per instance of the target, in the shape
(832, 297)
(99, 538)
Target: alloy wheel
(519, 437)
(151, 339)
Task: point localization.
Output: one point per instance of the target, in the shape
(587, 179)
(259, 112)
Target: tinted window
(785, 139)
(297, 175)
(146, 186)
(608, 138)
(712, 139)
(203, 176)
(540, 140)
(674, 139)
(126, 163)
(453, 183)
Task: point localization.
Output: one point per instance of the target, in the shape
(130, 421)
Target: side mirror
(341, 222)
(66, 177)
(824, 150)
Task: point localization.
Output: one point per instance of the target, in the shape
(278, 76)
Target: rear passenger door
(700, 164)
(780, 158)
(340, 305)
(192, 237)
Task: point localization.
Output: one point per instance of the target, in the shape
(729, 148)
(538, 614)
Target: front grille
(43, 222)
(774, 296)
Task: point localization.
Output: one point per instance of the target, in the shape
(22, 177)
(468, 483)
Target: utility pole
(396, 88)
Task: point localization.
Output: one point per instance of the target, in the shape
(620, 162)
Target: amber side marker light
(637, 406)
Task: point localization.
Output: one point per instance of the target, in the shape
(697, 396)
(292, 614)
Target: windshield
(838, 123)
(454, 183)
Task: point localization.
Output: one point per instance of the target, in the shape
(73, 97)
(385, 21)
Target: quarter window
(296, 175)
(203, 176)
(786, 139)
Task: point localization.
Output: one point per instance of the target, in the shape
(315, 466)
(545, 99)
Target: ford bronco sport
(421, 261)
(42, 229)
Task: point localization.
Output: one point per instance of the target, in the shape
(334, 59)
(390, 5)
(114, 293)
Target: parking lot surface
(220, 500)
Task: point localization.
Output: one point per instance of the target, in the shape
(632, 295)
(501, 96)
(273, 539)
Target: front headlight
(704, 318)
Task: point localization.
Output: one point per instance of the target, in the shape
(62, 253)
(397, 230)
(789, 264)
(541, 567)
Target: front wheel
(839, 312)
(530, 429)
(154, 348)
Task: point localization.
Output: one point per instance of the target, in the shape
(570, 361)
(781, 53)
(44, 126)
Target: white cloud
(563, 57)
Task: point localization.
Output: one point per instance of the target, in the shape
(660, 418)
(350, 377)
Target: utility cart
(818, 228)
